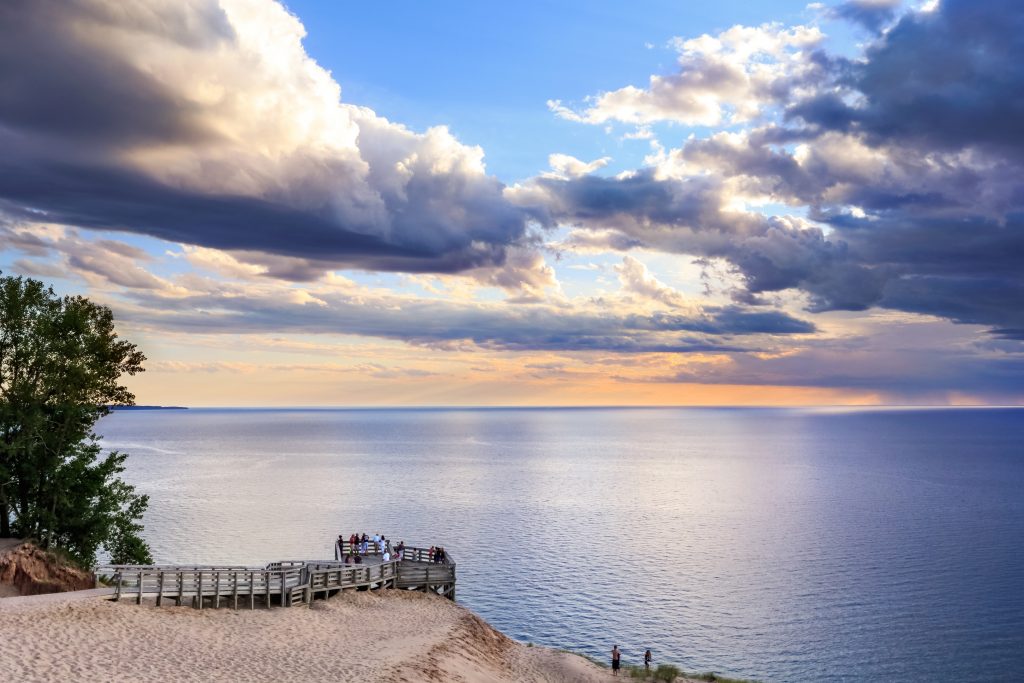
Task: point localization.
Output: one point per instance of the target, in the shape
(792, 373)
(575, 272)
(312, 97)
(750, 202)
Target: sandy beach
(386, 636)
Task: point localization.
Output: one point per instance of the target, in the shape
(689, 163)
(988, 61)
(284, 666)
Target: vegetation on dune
(61, 363)
(670, 672)
(663, 672)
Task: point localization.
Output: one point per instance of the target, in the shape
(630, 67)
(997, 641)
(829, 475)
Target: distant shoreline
(147, 407)
(455, 408)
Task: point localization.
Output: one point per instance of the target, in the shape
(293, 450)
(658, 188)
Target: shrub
(666, 672)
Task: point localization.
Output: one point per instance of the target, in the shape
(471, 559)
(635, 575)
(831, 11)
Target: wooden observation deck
(287, 583)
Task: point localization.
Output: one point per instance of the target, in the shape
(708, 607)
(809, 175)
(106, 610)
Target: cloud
(898, 174)
(692, 216)
(872, 14)
(895, 360)
(206, 123)
(217, 307)
(721, 79)
(101, 262)
(566, 166)
(637, 279)
(238, 299)
(940, 80)
(524, 275)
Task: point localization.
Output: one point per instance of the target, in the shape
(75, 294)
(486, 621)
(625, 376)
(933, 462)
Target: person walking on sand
(647, 660)
(616, 658)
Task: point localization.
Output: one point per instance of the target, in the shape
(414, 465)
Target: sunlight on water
(777, 544)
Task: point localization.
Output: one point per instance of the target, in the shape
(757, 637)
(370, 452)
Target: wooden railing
(410, 553)
(328, 579)
(291, 582)
(201, 583)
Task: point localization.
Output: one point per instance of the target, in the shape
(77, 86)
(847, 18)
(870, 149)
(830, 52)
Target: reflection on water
(778, 544)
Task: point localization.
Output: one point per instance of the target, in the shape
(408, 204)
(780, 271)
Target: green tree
(60, 367)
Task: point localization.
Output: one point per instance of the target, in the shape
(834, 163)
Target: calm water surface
(786, 545)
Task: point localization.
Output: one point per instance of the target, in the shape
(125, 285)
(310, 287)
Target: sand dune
(388, 636)
(28, 570)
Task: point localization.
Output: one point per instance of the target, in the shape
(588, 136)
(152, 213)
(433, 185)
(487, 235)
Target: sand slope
(7, 590)
(26, 569)
(390, 636)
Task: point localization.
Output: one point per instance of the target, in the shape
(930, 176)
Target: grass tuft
(670, 672)
(664, 672)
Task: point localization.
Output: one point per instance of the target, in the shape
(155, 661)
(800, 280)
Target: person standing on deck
(616, 659)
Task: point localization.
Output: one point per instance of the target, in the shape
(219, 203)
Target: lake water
(784, 545)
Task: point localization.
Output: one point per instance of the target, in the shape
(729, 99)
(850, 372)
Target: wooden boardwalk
(286, 583)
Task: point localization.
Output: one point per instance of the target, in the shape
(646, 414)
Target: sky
(578, 203)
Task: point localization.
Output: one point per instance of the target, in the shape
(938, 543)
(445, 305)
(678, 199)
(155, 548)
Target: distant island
(147, 407)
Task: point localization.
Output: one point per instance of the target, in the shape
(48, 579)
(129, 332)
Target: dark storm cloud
(687, 216)
(925, 254)
(735, 320)
(911, 158)
(115, 199)
(995, 301)
(872, 14)
(93, 92)
(925, 376)
(430, 322)
(55, 82)
(944, 79)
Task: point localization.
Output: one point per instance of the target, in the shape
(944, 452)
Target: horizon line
(872, 406)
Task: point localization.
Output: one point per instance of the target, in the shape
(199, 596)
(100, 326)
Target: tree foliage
(61, 363)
